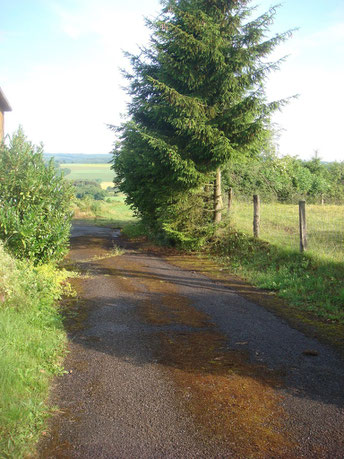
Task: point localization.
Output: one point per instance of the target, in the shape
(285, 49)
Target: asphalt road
(167, 363)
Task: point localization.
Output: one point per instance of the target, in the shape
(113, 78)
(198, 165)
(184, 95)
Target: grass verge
(32, 345)
(312, 284)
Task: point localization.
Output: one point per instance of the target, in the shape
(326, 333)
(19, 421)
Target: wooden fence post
(303, 227)
(256, 215)
(217, 197)
(230, 199)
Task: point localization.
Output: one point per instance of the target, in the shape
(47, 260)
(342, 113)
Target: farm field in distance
(90, 172)
(114, 212)
(279, 225)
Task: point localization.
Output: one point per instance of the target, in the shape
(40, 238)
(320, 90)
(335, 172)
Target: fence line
(321, 233)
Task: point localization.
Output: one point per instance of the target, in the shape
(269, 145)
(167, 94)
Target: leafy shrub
(187, 223)
(87, 205)
(35, 203)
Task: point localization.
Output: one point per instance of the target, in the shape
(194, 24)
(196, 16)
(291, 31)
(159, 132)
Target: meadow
(111, 211)
(280, 226)
(100, 172)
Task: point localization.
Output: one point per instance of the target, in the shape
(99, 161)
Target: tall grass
(280, 227)
(32, 342)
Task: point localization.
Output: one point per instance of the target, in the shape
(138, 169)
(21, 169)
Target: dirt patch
(165, 306)
(172, 310)
(326, 331)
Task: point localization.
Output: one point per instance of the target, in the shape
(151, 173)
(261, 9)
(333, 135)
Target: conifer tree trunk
(217, 197)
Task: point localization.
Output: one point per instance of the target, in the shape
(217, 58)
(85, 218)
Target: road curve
(165, 362)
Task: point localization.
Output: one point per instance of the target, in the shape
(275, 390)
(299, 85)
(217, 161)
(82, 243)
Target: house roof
(4, 105)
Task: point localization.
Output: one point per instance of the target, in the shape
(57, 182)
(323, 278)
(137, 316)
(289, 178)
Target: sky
(60, 66)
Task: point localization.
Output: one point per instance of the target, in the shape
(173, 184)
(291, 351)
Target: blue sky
(60, 59)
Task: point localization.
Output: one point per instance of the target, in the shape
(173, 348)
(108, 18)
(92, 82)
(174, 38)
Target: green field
(114, 211)
(280, 226)
(89, 172)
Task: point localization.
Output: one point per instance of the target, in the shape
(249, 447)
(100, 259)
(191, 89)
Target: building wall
(1, 125)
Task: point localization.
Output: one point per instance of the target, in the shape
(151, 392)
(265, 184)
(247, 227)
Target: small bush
(35, 203)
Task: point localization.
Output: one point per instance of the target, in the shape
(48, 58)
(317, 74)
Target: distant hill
(78, 158)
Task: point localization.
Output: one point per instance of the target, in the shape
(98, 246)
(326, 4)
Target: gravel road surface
(167, 363)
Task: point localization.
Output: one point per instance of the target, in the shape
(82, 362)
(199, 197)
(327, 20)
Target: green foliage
(35, 203)
(336, 173)
(134, 230)
(186, 222)
(286, 179)
(197, 102)
(89, 188)
(32, 343)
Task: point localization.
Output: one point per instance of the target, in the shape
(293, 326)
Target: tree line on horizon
(287, 179)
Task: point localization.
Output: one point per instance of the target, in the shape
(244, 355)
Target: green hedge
(35, 203)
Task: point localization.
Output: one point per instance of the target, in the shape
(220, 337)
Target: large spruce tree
(197, 101)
